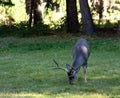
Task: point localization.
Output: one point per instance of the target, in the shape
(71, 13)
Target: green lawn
(26, 68)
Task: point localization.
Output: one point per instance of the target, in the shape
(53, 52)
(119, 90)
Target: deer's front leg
(84, 71)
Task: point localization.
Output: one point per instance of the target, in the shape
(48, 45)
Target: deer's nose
(71, 83)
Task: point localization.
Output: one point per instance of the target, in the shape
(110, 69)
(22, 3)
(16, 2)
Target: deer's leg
(84, 71)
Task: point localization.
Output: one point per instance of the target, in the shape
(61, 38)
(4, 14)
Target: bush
(23, 30)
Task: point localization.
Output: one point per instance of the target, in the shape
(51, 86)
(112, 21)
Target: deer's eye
(72, 72)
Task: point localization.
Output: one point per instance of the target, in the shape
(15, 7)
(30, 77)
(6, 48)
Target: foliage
(39, 29)
(16, 12)
(13, 19)
(53, 4)
(113, 9)
(23, 30)
(6, 3)
(26, 68)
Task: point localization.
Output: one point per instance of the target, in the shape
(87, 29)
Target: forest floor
(109, 33)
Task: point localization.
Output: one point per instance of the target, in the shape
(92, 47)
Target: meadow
(26, 68)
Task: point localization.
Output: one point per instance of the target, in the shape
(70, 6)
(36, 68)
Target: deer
(80, 53)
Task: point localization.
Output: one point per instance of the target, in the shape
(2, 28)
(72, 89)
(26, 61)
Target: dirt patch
(108, 32)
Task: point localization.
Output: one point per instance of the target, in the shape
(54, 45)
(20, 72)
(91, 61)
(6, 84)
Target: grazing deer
(81, 53)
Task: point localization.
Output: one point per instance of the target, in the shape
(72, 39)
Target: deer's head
(71, 72)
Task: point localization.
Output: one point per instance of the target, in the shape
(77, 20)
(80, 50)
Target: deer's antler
(58, 67)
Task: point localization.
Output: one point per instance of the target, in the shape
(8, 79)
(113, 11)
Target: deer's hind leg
(84, 71)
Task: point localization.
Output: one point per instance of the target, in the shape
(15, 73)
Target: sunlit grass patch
(61, 95)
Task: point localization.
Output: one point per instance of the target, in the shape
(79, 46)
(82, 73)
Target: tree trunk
(104, 11)
(101, 6)
(31, 19)
(87, 21)
(118, 28)
(37, 12)
(33, 8)
(28, 6)
(72, 18)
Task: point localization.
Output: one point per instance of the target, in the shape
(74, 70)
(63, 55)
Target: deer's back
(81, 49)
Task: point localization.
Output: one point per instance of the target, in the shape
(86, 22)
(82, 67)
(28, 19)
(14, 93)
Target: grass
(26, 68)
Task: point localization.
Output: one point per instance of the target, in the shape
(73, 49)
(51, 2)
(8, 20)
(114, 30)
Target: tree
(87, 21)
(33, 8)
(6, 17)
(102, 7)
(6, 2)
(72, 18)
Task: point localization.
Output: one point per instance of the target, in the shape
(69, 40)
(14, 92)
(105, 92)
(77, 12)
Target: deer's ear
(68, 67)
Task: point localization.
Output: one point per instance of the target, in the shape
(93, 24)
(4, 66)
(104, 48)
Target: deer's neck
(77, 62)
